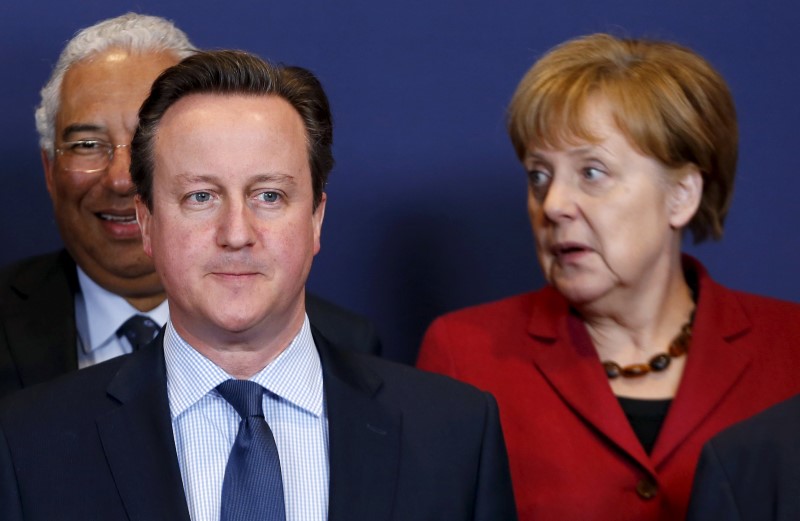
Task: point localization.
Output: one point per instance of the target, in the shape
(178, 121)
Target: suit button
(646, 488)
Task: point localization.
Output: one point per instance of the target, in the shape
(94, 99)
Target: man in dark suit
(230, 162)
(62, 311)
(751, 471)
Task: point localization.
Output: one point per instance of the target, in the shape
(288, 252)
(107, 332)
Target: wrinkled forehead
(114, 80)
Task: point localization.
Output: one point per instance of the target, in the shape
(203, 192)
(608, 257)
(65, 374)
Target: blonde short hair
(668, 101)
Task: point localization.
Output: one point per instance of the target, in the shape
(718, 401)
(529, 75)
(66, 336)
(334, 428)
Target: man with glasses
(101, 297)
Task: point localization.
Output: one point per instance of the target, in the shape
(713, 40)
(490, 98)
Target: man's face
(232, 230)
(100, 99)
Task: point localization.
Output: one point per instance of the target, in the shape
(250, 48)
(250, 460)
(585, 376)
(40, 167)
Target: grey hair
(132, 31)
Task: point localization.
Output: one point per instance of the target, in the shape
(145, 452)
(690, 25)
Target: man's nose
(117, 177)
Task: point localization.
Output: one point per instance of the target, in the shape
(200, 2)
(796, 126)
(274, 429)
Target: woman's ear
(686, 194)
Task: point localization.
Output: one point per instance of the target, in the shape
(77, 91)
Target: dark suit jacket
(404, 445)
(751, 471)
(572, 451)
(38, 336)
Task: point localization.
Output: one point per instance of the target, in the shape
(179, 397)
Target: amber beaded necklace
(659, 362)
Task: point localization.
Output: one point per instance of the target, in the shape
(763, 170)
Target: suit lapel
(138, 441)
(41, 323)
(566, 358)
(364, 444)
(713, 365)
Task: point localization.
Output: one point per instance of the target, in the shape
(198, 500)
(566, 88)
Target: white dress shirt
(97, 338)
(205, 425)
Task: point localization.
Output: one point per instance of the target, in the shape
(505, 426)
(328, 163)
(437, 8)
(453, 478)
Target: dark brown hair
(229, 72)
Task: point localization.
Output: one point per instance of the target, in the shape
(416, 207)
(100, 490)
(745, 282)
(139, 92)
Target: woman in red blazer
(611, 378)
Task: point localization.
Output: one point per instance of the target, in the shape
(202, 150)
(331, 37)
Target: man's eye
(87, 147)
(200, 197)
(269, 197)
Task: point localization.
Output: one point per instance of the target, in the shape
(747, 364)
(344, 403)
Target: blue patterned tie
(253, 487)
(139, 330)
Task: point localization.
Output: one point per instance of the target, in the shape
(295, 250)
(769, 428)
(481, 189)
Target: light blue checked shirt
(205, 425)
(97, 338)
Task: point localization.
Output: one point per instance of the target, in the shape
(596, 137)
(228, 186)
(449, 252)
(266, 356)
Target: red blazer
(573, 453)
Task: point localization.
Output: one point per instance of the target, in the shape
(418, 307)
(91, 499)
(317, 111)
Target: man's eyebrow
(274, 178)
(196, 178)
(190, 178)
(80, 127)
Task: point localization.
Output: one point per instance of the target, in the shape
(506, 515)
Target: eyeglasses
(87, 155)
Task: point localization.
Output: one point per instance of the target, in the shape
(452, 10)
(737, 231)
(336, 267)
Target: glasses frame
(110, 150)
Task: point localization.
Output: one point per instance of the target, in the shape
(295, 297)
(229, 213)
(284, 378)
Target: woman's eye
(200, 197)
(538, 178)
(593, 173)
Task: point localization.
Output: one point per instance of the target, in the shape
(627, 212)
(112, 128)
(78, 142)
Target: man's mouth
(121, 219)
(119, 226)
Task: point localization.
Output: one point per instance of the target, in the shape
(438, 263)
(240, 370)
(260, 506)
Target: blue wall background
(426, 208)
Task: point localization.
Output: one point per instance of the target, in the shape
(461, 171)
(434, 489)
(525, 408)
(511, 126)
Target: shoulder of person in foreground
(751, 470)
(452, 460)
(54, 439)
(344, 328)
(70, 398)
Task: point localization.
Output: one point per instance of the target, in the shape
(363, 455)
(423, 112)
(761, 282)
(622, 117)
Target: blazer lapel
(41, 322)
(713, 364)
(138, 441)
(566, 358)
(364, 441)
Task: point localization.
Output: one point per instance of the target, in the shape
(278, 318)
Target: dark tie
(253, 486)
(139, 330)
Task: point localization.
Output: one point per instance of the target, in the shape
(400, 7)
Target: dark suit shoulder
(68, 399)
(401, 374)
(751, 471)
(37, 320)
(409, 387)
(342, 327)
(774, 430)
(453, 464)
(25, 275)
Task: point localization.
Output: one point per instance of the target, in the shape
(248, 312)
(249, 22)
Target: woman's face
(603, 215)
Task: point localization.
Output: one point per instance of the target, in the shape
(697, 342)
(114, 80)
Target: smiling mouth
(119, 219)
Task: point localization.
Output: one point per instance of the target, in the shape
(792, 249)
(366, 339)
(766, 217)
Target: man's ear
(317, 217)
(49, 164)
(686, 192)
(144, 218)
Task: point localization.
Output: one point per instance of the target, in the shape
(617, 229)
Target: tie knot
(244, 395)
(139, 330)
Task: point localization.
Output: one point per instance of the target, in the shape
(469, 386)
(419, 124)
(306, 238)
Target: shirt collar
(108, 311)
(295, 375)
